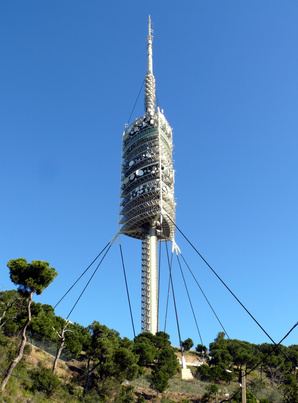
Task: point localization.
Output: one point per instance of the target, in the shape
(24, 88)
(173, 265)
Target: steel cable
(237, 299)
(168, 296)
(127, 291)
(173, 293)
(88, 282)
(81, 275)
(193, 312)
(136, 101)
(211, 307)
(159, 266)
(274, 348)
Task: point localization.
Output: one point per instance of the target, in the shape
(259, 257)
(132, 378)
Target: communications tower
(147, 204)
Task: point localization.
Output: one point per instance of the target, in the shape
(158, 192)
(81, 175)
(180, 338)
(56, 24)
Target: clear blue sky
(226, 75)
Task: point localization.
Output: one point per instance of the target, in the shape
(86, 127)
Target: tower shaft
(149, 280)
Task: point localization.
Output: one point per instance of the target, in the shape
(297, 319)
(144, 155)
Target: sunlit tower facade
(147, 204)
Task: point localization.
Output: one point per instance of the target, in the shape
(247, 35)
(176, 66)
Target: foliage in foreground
(30, 278)
(44, 380)
(107, 361)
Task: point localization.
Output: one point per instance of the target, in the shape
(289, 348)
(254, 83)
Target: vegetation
(30, 278)
(106, 367)
(187, 344)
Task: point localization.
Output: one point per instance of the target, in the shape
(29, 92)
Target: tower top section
(149, 79)
(147, 183)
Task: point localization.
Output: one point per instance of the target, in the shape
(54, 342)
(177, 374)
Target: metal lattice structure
(147, 190)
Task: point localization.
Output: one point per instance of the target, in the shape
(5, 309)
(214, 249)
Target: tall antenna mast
(149, 78)
(149, 48)
(147, 190)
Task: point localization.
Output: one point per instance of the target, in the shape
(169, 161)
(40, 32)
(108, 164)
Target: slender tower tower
(147, 205)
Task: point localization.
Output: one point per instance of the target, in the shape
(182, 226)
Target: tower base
(186, 374)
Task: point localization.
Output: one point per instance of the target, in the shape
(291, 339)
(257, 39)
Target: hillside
(97, 365)
(178, 391)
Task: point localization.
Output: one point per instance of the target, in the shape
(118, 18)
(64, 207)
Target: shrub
(126, 395)
(159, 380)
(203, 373)
(44, 381)
(236, 398)
(27, 349)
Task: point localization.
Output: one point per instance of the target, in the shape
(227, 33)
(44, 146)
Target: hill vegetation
(95, 364)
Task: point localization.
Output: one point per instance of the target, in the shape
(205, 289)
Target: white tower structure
(147, 190)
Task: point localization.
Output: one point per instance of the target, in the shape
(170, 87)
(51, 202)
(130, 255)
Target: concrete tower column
(149, 280)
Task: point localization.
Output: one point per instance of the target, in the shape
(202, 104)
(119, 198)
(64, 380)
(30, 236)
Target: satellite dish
(125, 181)
(132, 177)
(139, 172)
(131, 163)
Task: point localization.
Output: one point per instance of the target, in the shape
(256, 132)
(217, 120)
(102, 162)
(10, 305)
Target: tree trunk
(87, 378)
(4, 323)
(62, 338)
(3, 314)
(22, 345)
(5, 311)
(243, 389)
(58, 354)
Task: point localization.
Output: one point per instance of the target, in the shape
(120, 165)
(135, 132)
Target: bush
(27, 349)
(236, 398)
(44, 381)
(126, 395)
(212, 390)
(290, 393)
(159, 380)
(203, 373)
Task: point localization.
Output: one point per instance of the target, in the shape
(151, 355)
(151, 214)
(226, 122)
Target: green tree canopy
(145, 349)
(187, 344)
(31, 277)
(107, 357)
(200, 348)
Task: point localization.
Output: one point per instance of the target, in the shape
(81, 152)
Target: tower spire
(149, 48)
(149, 78)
